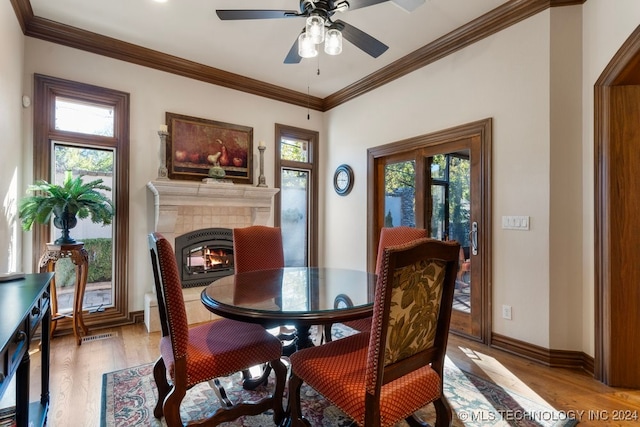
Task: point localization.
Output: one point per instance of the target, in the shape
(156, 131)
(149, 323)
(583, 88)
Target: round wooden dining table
(298, 296)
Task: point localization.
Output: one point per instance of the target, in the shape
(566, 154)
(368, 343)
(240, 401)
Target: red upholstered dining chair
(205, 352)
(259, 247)
(389, 236)
(385, 375)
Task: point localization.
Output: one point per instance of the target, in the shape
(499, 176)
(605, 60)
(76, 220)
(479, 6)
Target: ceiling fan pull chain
(308, 101)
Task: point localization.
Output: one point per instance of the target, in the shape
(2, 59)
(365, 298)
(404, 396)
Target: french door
(440, 182)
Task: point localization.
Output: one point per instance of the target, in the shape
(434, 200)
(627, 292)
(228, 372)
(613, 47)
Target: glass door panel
(451, 214)
(438, 225)
(294, 193)
(450, 219)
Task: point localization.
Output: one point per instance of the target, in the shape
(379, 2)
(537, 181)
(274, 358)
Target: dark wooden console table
(78, 255)
(25, 304)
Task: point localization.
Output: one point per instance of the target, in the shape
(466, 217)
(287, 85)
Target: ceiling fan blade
(292, 56)
(359, 4)
(360, 39)
(236, 14)
(409, 5)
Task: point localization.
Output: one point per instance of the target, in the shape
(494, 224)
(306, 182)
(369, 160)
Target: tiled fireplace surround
(183, 206)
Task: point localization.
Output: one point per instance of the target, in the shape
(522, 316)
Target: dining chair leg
(171, 407)
(295, 410)
(160, 377)
(281, 372)
(413, 421)
(444, 416)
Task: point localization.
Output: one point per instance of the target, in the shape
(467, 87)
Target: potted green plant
(67, 202)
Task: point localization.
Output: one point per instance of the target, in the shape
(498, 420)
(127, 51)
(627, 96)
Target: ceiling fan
(321, 27)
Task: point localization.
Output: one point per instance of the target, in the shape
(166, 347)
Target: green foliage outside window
(399, 175)
(83, 159)
(294, 150)
(446, 169)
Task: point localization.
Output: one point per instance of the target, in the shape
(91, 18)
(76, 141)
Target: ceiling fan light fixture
(341, 6)
(306, 46)
(315, 28)
(333, 42)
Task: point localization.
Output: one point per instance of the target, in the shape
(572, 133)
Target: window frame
(312, 138)
(46, 89)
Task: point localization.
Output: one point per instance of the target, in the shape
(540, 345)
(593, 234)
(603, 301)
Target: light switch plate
(515, 222)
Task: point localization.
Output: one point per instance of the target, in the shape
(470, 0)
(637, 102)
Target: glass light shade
(306, 46)
(333, 42)
(315, 28)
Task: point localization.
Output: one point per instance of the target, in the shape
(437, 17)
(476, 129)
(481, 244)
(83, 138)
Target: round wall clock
(343, 180)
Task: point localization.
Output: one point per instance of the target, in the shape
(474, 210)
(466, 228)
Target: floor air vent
(98, 337)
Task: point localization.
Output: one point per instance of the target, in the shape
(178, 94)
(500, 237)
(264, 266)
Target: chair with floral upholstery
(389, 236)
(383, 376)
(205, 352)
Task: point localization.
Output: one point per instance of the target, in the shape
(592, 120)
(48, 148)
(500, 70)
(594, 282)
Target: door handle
(473, 234)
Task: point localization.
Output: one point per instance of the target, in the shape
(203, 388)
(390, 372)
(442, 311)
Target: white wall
(152, 93)
(11, 141)
(565, 183)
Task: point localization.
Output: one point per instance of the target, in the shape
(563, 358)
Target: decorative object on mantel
(162, 170)
(216, 176)
(216, 173)
(67, 202)
(194, 146)
(262, 182)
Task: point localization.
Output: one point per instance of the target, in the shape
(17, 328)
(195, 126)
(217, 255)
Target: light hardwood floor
(76, 377)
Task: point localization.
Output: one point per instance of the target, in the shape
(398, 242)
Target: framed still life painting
(195, 145)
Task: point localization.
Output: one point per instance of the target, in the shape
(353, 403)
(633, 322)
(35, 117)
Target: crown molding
(486, 25)
(55, 32)
(23, 11)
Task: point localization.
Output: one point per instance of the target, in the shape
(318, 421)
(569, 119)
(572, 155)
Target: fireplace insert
(204, 255)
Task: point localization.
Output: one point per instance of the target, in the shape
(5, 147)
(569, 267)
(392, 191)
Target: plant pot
(65, 221)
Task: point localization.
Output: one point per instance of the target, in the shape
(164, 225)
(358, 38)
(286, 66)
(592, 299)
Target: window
(296, 203)
(92, 164)
(85, 129)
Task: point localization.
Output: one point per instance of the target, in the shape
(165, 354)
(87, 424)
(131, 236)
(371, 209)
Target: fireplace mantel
(169, 195)
(184, 206)
(222, 194)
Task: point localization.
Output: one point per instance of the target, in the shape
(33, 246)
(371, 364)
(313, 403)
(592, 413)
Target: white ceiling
(191, 30)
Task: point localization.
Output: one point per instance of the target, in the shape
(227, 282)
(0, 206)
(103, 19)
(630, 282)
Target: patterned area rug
(129, 396)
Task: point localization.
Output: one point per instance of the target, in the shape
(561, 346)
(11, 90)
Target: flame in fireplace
(215, 258)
